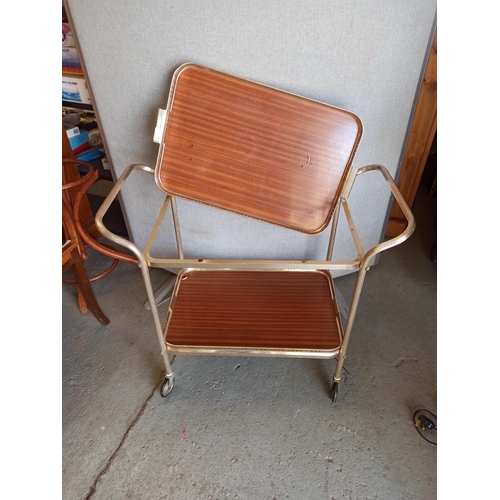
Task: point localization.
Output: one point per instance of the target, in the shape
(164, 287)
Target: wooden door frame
(420, 140)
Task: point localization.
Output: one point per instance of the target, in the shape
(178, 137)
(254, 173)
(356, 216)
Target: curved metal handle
(107, 203)
(404, 208)
(143, 263)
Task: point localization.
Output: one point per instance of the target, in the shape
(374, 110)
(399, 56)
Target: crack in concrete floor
(136, 419)
(106, 468)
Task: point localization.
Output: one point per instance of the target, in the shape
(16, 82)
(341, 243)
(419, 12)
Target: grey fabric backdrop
(362, 55)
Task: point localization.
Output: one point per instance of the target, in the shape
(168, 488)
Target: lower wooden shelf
(275, 313)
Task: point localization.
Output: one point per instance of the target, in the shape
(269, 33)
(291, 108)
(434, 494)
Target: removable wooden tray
(255, 150)
(278, 313)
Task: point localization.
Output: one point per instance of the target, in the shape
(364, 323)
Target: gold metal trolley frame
(277, 157)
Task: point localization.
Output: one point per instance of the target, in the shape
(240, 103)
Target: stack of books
(80, 143)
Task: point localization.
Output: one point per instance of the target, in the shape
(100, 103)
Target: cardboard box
(70, 56)
(74, 89)
(80, 142)
(72, 131)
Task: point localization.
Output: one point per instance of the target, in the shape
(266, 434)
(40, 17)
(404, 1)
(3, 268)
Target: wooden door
(421, 137)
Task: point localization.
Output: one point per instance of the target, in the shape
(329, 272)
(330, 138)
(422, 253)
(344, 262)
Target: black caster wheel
(167, 386)
(335, 391)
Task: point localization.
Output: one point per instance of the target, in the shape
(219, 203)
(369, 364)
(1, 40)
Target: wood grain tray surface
(255, 150)
(249, 309)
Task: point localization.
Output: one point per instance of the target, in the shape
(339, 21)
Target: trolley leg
(168, 383)
(350, 320)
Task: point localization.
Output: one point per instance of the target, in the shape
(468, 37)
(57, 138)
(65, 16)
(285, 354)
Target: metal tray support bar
(157, 225)
(352, 227)
(333, 232)
(177, 228)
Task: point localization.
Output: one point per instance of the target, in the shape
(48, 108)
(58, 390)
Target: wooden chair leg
(81, 302)
(85, 287)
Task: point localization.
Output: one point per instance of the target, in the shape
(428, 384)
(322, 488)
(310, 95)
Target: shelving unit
(78, 103)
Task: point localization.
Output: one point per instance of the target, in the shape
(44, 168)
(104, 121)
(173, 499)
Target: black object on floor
(426, 424)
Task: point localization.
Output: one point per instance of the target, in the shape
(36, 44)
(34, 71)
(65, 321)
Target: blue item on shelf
(90, 154)
(79, 139)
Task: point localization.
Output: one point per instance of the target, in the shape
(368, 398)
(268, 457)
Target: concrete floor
(254, 428)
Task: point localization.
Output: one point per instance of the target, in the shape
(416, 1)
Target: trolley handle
(107, 203)
(404, 208)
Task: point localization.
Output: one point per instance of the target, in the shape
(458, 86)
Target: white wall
(362, 55)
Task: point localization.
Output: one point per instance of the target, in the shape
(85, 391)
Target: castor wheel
(335, 391)
(167, 386)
